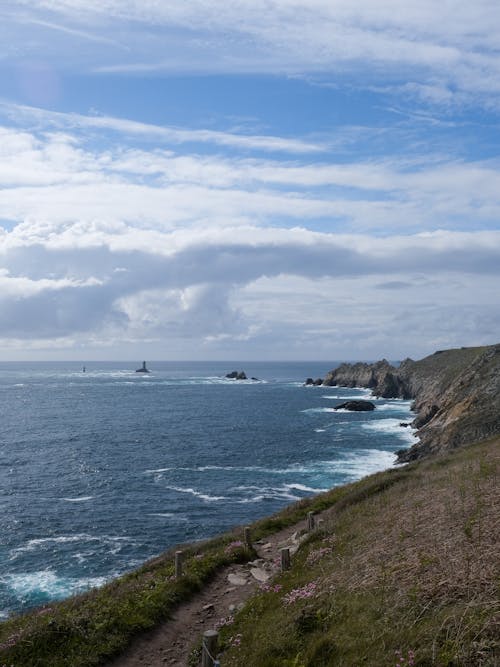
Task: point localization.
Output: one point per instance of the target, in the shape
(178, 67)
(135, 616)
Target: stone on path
(236, 580)
(260, 574)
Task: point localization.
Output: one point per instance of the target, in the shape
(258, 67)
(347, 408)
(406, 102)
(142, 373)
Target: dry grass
(415, 566)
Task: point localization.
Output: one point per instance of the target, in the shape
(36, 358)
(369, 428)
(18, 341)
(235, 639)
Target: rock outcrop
(381, 377)
(237, 375)
(314, 383)
(456, 395)
(356, 406)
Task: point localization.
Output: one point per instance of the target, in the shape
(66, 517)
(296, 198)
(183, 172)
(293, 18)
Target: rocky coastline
(455, 393)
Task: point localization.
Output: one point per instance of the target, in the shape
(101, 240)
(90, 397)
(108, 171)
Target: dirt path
(171, 643)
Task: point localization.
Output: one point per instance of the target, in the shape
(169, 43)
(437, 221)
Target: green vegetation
(406, 565)
(405, 561)
(88, 629)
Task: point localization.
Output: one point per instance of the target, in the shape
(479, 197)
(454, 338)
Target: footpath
(171, 643)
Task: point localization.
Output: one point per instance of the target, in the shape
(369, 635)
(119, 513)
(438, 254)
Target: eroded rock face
(381, 377)
(456, 395)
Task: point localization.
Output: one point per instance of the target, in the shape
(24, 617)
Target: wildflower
(236, 640)
(307, 591)
(317, 555)
(268, 588)
(11, 641)
(409, 661)
(223, 622)
(232, 546)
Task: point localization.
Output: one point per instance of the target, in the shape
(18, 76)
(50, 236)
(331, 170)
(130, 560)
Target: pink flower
(307, 591)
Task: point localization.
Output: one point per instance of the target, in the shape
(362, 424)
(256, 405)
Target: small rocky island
(236, 375)
(356, 406)
(143, 368)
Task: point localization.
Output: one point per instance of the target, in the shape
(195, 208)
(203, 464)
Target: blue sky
(265, 180)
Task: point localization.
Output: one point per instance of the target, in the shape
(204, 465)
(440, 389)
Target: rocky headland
(456, 395)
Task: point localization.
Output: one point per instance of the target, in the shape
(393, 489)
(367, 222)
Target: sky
(254, 180)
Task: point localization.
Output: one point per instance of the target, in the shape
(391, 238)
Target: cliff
(456, 394)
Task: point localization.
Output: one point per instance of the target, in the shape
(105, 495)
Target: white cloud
(200, 253)
(61, 177)
(453, 43)
(235, 285)
(171, 135)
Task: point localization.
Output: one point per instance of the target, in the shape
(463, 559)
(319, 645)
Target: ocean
(101, 470)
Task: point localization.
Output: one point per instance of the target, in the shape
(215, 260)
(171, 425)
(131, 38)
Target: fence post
(248, 538)
(178, 564)
(310, 521)
(285, 559)
(209, 648)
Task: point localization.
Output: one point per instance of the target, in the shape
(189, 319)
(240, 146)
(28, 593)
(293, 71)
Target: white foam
(264, 493)
(400, 406)
(351, 397)
(169, 515)
(79, 499)
(365, 462)
(197, 494)
(47, 582)
(114, 543)
(319, 430)
(302, 487)
(392, 427)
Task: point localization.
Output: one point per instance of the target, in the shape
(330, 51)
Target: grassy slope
(412, 567)
(405, 560)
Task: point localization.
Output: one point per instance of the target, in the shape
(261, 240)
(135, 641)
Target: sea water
(104, 468)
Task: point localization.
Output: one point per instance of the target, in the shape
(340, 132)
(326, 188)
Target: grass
(89, 629)
(405, 560)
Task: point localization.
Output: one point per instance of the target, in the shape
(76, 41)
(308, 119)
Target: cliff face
(456, 394)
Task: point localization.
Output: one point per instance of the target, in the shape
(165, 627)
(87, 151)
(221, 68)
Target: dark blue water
(101, 470)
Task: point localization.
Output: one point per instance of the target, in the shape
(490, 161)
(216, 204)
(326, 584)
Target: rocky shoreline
(455, 393)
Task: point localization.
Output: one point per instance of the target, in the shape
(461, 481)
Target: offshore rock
(356, 406)
(237, 375)
(316, 383)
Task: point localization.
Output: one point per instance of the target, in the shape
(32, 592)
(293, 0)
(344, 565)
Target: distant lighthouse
(143, 369)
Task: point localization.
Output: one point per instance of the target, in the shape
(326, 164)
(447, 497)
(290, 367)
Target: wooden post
(248, 538)
(209, 648)
(310, 521)
(285, 559)
(178, 564)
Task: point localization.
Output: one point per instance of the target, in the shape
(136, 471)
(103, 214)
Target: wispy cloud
(453, 44)
(173, 135)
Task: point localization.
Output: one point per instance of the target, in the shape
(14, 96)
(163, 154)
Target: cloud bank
(121, 245)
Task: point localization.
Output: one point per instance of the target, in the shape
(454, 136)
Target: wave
(114, 544)
(169, 515)
(302, 487)
(257, 494)
(351, 397)
(365, 462)
(47, 584)
(392, 427)
(400, 406)
(198, 494)
(319, 410)
(79, 499)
